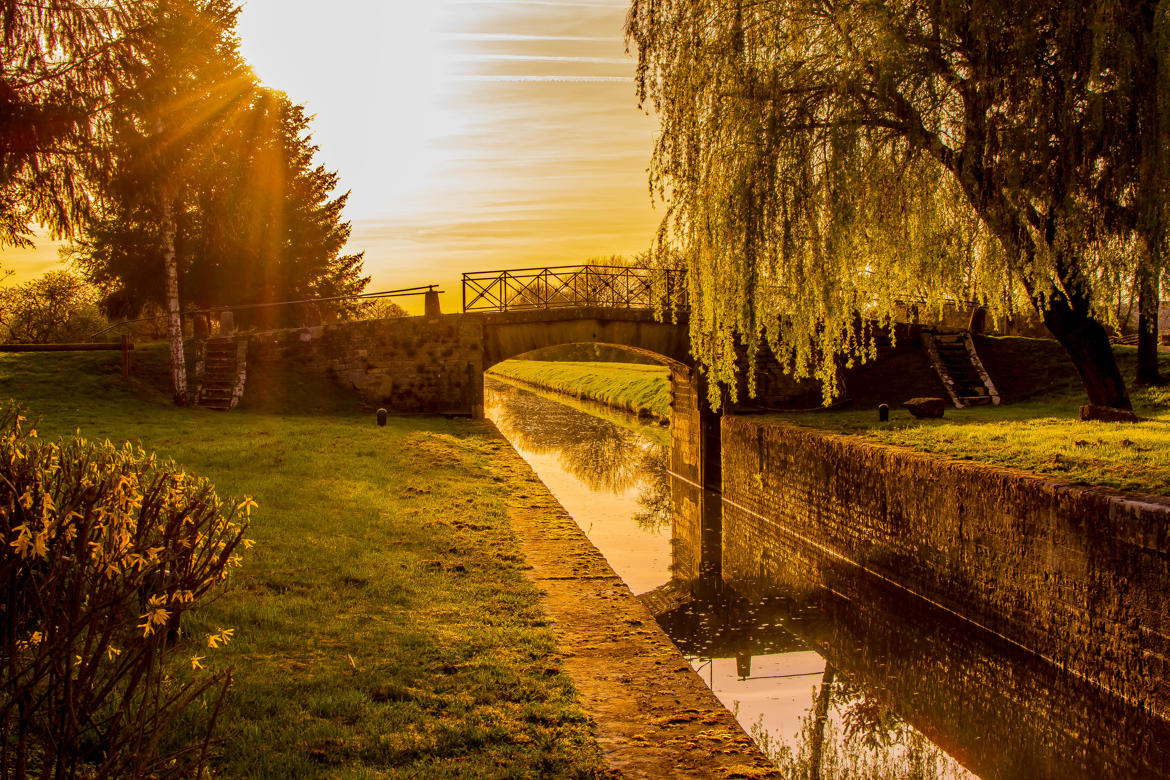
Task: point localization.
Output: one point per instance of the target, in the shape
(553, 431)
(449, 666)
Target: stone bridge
(435, 364)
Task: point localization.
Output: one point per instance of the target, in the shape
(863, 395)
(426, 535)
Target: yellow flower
(195, 659)
(221, 637)
(155, 617)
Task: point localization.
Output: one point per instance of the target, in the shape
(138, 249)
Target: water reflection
(835, 676)
(605, 455)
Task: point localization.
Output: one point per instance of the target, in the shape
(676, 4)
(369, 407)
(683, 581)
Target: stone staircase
(221, 365)
(952, 353)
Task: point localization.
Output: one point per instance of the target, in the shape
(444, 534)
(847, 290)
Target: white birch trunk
(174, 314)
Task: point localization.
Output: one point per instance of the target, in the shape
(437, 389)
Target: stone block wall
(696, 473)
(686, 475)
(407, 364)
(1078, 576)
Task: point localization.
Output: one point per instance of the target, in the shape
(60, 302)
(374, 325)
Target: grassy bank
(641, 389)
(383, 625)
(1042, 433)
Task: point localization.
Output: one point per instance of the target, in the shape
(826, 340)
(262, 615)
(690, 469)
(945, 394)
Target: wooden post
(126, 347)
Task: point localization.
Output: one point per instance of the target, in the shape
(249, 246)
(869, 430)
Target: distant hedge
(104, 548)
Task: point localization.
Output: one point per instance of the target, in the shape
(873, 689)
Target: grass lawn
(636, 387)
(383, 624)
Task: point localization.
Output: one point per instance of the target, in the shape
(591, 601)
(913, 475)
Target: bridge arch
(436, 363)
(695, 462)
(516, 333)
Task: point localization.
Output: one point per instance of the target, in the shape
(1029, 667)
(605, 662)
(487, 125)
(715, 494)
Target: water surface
(832, 676)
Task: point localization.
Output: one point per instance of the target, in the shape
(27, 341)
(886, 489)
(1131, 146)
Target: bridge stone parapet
(510, 334)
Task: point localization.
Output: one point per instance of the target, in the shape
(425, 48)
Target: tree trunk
(816, 748)
(1148, 303)
(174, 313)
(1070, 322)
(1087, 345)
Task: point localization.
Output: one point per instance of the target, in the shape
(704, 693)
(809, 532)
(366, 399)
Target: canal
(832, 676)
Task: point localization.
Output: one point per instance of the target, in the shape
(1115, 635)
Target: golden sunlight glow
(472, 134)
(373, 73)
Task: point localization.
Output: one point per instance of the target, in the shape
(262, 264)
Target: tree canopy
(56, 307)
(823, 159)
(59, 61)
(258, 222)
(207, 190)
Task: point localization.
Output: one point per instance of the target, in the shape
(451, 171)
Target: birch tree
(186, 88)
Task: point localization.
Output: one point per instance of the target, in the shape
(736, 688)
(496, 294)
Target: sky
(473, 134)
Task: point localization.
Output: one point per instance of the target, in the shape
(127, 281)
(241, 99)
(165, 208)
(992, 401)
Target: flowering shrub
(103, 549)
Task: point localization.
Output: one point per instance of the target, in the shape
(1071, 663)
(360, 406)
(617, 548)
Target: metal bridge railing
(567, 286)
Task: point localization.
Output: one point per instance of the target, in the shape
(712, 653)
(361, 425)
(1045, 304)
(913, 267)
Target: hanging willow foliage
(825, 164)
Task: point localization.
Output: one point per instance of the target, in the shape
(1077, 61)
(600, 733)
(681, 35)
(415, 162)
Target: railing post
(431, 305)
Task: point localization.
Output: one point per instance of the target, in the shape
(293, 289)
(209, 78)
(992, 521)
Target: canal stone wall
(1077, 575)
(686, 476)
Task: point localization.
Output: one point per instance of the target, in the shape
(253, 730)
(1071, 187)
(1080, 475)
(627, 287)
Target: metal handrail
(565, 286)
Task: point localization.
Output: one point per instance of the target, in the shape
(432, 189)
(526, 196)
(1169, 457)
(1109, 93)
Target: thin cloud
(546, 79)
(541, 58)
(537, 38)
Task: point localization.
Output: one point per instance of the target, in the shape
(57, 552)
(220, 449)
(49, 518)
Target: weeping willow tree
(825, 161)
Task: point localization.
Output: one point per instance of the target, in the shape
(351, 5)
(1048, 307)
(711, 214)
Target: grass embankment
(1042, 433)
(383, 625)
(641, 389)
